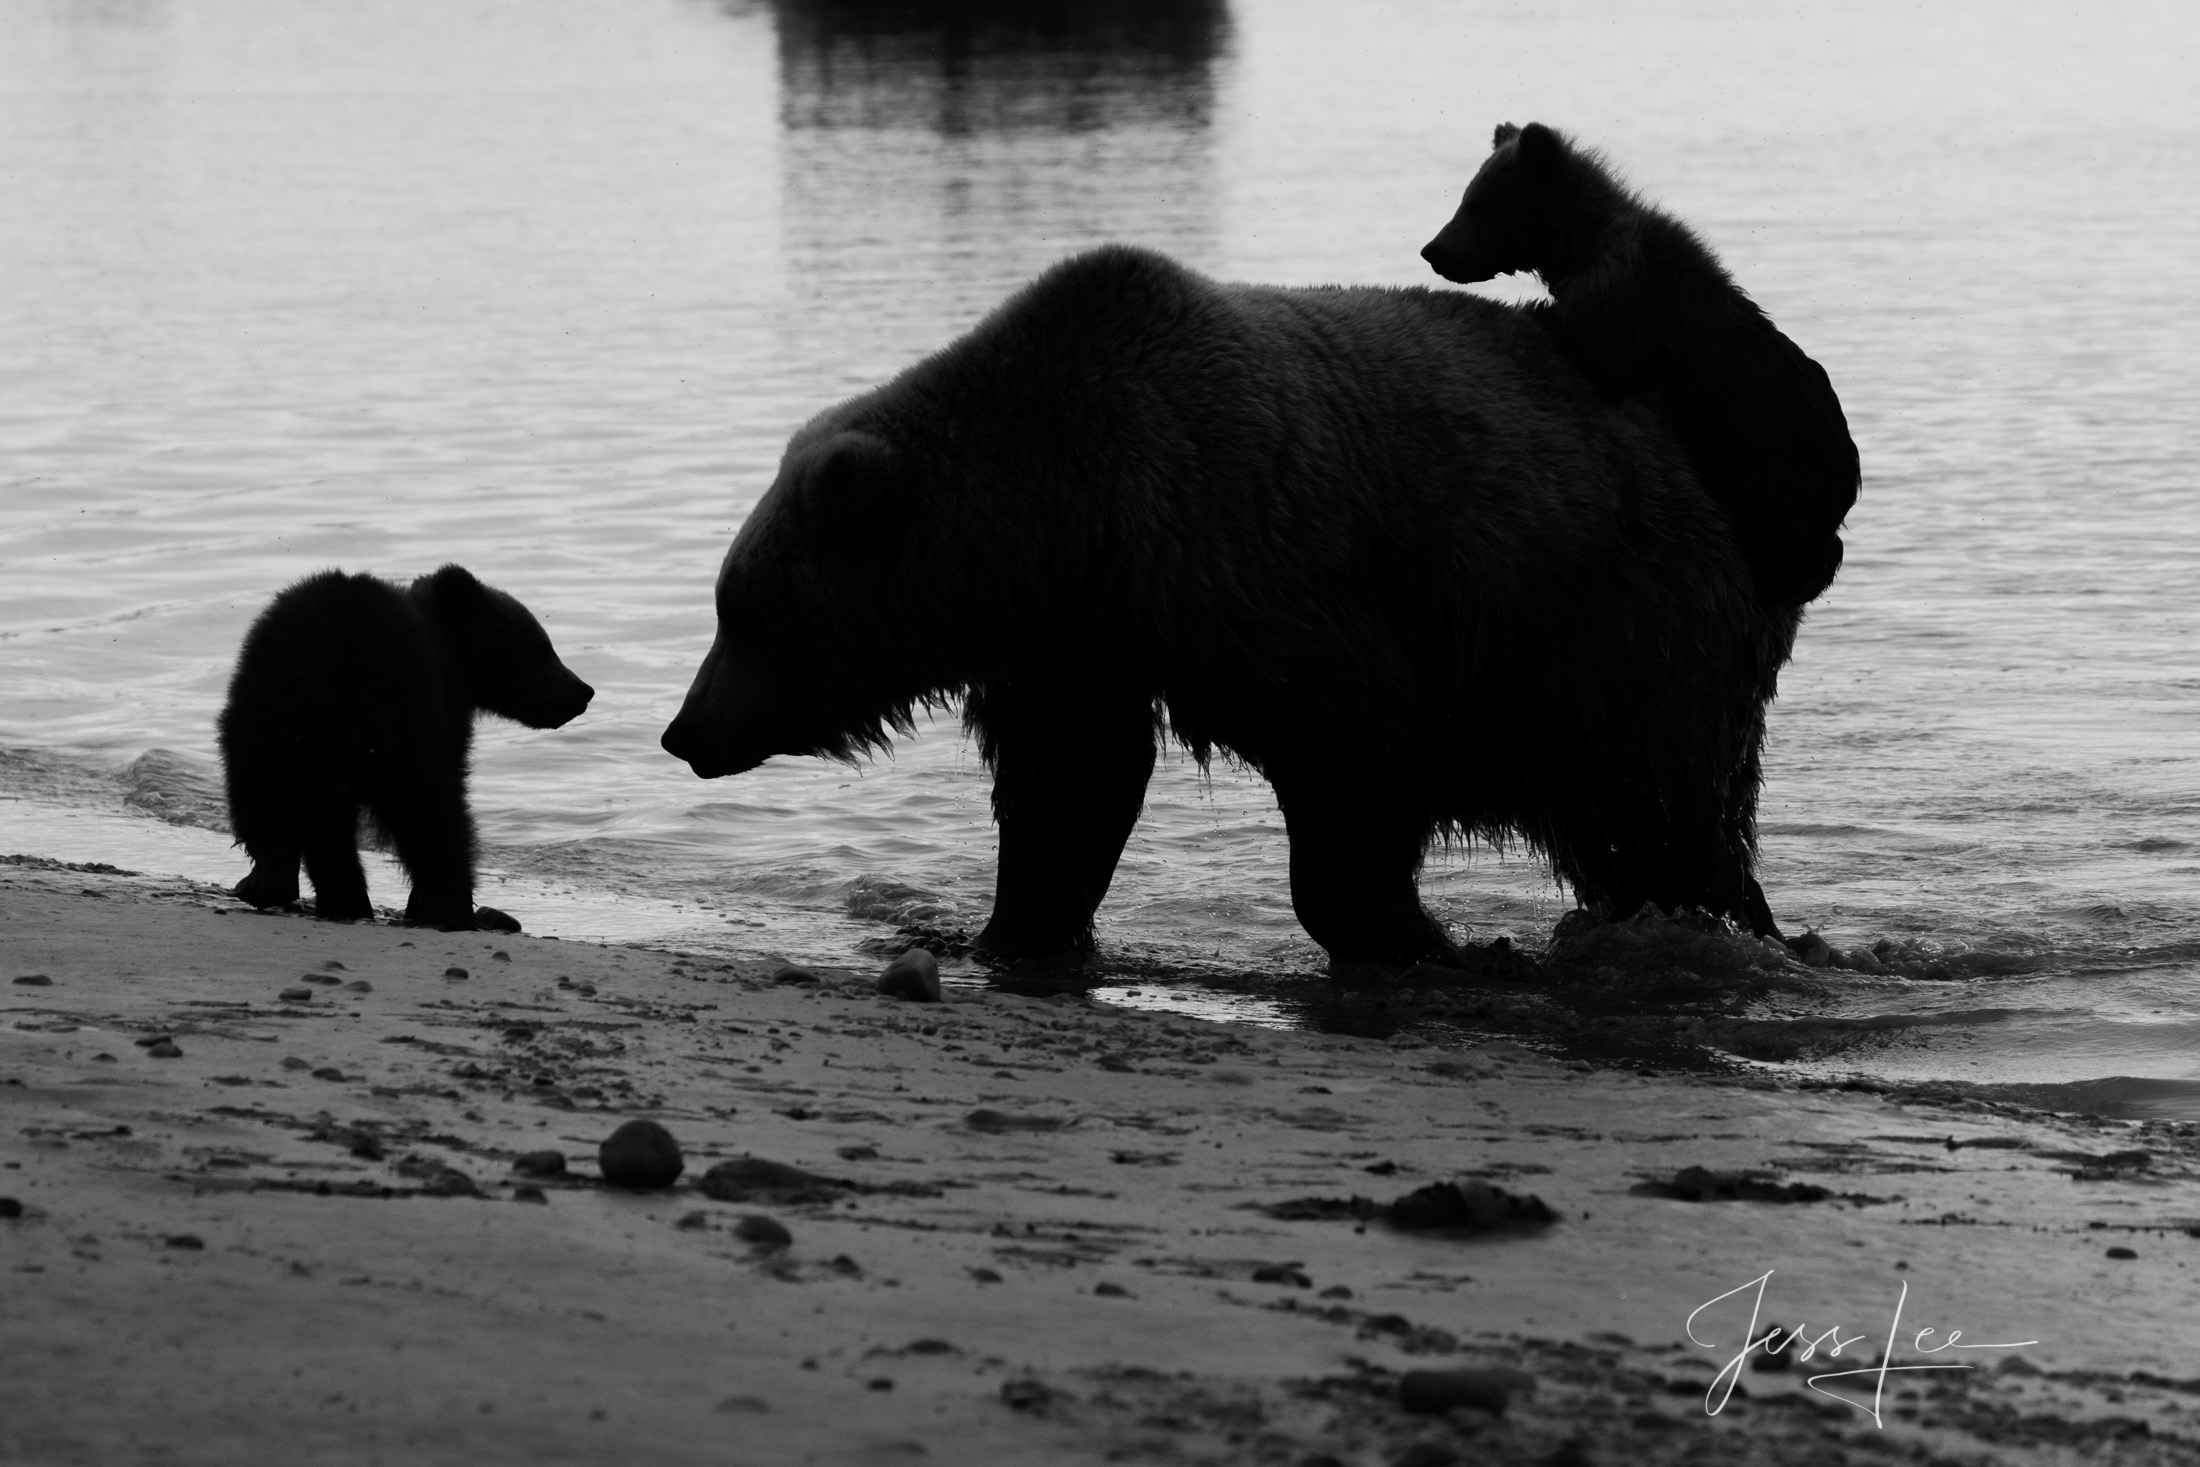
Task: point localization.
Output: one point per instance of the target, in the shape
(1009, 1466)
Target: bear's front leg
(1355, 863)
(434, 837)
(266, 825)
(273, 882)
(331, 830)
(1070, 769)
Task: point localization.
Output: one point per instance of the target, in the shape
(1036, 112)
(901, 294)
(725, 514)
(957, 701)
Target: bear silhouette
(1387, 547)
(353, 695)
(1645, 310)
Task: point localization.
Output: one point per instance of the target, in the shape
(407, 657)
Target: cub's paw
(444, 917)
(262, 890)
(489, 919)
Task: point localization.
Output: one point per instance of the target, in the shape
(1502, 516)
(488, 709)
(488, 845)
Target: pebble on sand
(540, 1164)
(915, 975)
(34, 980)
(1468, 1206)
(9, 1207)
(764, 1232)
(529, 1194)
(2123, 1253)
(1432, 1392)
(640, 1156)
(185, 1240)
(295, 995)
(164, 1049)
(1427, 1454)
(456, 972)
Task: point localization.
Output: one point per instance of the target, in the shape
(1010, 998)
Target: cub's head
(817, 651)
(1535, 204)
(503, 654)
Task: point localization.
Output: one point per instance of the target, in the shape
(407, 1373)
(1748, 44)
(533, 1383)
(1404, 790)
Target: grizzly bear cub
(352, 694)
(1644, 311)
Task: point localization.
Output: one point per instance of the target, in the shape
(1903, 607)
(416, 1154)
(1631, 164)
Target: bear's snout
(725, 725)
(1447, 261)
(555, 703)
(704, 750)
(578, 695)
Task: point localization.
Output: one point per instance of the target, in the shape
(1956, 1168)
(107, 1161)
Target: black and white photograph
(1215, 733)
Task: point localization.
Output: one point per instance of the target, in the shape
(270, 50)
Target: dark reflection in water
(936, 154)
(963, 66)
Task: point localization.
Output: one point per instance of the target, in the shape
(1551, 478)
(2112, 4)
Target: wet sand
(267, 1210)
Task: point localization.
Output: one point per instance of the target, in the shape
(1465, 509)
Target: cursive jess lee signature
(1833, 1341)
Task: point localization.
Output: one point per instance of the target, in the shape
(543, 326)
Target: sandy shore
(1034, 1230)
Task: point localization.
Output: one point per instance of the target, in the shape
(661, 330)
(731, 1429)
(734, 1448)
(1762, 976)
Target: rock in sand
(915, 975)
(1432, 1392)
(764, 1232)
(640, 1156)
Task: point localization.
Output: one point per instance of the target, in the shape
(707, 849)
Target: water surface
(544, 287)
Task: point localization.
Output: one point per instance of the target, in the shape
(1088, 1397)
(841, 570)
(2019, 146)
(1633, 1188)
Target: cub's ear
(1541, 146)
(450, 587)
(452, 577)
(1506, 132)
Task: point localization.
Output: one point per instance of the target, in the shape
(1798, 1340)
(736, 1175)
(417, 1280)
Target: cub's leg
(1070, 769)
(434, 837)
(1354, 867)
(268, 831)
(273, 881)
(262, 821)
(329, 826)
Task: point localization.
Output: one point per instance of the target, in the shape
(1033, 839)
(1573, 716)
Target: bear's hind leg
(331, 831)
(1070, 769)
(1354, 869)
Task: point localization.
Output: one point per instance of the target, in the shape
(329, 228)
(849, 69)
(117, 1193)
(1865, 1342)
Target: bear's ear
(1542, 147)
(1506, 132)
(848, 477)
(450, 587)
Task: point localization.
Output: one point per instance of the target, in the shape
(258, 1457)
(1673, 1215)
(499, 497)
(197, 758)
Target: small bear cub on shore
(353, 694)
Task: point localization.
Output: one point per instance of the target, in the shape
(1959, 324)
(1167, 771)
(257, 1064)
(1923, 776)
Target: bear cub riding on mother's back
(353, 694)
(1644, 310)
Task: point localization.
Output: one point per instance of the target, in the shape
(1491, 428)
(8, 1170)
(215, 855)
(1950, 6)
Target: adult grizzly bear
(351, 693)
(1644, 309)
(1385, 546)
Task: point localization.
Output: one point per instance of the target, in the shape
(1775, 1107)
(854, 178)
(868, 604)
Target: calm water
(544, 286)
